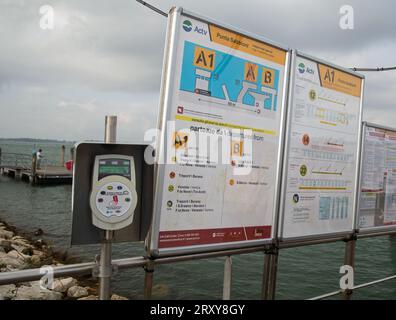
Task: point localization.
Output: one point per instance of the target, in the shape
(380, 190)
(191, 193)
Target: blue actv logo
(187, 25)
(302, 69)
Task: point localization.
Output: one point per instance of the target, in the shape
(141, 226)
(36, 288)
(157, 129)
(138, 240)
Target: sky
(105, 57)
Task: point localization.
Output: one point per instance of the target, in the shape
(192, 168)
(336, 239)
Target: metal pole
(273, 275)
(63, 156)
(34, 168)
(105, 266)
(148, 280)
(269, 274)
(349, 260)
(110, 129)
(227, 284)
(266, 276)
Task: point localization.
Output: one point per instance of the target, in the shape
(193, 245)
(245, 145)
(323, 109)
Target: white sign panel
(222, 119)
(377, 206)
(322, 154)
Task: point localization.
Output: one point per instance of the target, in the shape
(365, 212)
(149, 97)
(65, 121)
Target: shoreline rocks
(18, 252)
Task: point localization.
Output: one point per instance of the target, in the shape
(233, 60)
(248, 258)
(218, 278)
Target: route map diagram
(228, 80)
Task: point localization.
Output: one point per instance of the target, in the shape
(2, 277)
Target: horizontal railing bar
(360, 286)
(376, 234)
(87, 268)
(299, 243)
(135, 262)
(327, 295)
(367, 284)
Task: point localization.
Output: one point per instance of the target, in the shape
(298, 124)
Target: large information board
(221, 118)
(377, 203)
(321, 157)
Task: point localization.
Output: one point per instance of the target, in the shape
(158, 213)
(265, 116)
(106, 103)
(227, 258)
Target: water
(303, 272)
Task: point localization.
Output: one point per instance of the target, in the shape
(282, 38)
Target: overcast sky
(105, 57)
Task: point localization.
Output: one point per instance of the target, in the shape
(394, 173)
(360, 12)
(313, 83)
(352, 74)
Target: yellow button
(109, 188)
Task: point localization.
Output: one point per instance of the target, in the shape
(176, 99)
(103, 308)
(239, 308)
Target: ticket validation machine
(113, 198)
(112, 190)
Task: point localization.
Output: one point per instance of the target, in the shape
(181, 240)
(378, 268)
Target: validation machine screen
(114, 167)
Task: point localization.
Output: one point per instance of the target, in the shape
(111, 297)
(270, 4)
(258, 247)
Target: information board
(222, 114)
(377, 205)
(322, 148)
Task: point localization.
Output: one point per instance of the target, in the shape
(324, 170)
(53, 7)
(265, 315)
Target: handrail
(363, 285)
(88, 267)
(142, 261)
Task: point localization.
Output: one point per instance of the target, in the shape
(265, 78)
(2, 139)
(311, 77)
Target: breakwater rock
(19, 252)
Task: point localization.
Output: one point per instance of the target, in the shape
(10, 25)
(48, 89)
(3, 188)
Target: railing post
(105, 266)
(227, 283)
(349, 259)
(270, 271)
(34, 168)
(148, 280)
(63, 156)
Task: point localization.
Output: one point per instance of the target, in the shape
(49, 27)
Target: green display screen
(114, 170)
(109, 167)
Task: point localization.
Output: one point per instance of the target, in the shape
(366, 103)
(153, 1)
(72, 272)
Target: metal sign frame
(342, 234)
(167, 86)
(377, 229)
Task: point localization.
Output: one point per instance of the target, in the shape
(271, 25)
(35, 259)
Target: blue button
(119, 187)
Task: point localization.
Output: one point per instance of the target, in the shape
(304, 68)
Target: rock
(62, 285)
(39, 243)
(21, 242)
(35, 260)
(117, 297)
(27, 251)
(89, 298)
(35, 292)
(7, 291)
(6, 245)
(2, 250)
(16, 255)
(77, 292)
(5, 234)
(39, 232)
(10, 261)
(20, 239)
(39, 253)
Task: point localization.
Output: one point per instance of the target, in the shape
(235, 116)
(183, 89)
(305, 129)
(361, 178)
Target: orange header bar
(248, 45)
(340, 81)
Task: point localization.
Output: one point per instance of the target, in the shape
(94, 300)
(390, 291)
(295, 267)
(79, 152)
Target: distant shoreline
(37, 140)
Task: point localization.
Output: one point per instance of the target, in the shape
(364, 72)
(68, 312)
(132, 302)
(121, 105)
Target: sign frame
(167, 87)
(376, 229)
(331, 235)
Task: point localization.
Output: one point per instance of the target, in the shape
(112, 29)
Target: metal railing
(91, 268)
(16, 160)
